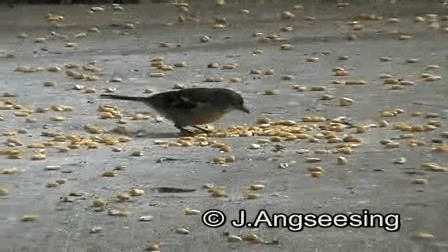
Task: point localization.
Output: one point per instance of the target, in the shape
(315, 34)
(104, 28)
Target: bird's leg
(201, 129)
(184, 130)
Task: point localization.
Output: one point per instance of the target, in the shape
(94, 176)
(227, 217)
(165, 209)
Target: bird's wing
(187, 100)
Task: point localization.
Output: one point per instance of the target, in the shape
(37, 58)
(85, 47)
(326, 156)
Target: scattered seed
(153, 246)
(252, 196)
(419, 181)
(342, 160)
(183, 231)
(109, 174)
(234, 238)
(312, 160)
(255, 146)
(189, 211)
(344, 101)
(118, 212)
(433, 167)
(3, 191)
(316, 174)
(422, 236)
(287, 15)
(30, 217)
(145, 218)
(95, 229)
(137, 153)
(285, 47)
(400, 160)
(136, 192)
(312, 59)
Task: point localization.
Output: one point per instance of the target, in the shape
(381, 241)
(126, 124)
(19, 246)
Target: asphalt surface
(382, 179)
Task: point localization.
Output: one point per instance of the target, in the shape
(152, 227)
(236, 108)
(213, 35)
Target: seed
(145, 218)
(433, 167)
(49, 84)
(271, 92)
(156, 75)
(255, 146)
(345, 150)
(230, 159)
(138, 117)
(183, 231)
(419, 181)
(393, 20)
(218, 26)
(342, 160)
(57, 118)
(422, 236)
(316, 174)
(137, 153)
(327, 97)
(344, 101)
(263, 141)
(180, 64)
(235, 79)
(268, 72)
(123, 197)
(287, 29)
(309, 18)
(419, 19)
(252, 196)
(234, 238)
(444, 134)
(153, 246)
(312, 160)
(432, 67)
(218, 192)
(118, 212)
(317, 88)
(362, 128)
(405, 37)
(3, 191)
(341, 72)
(253, 238)
(219, 160)
(40, 40)
(312, 59)
(401, 160)
(287, 15)
(285, 47)
(315, 169)
(392, 145)
(22, 35)
(109, 174)
(189, 211)
(38, 156)
(71, 44)
(406, 83)
(351, 139)
(412, 60)
(30, 217)
(89, 90)
(256, 187)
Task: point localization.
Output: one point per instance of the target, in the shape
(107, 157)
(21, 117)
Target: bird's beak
(245, 109)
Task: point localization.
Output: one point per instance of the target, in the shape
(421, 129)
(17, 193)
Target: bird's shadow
(150, 134)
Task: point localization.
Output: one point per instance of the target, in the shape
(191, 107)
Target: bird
(191, 106)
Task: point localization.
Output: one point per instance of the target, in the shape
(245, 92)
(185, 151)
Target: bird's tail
(123, 97)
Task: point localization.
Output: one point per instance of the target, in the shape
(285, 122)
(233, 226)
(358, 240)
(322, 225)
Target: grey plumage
(191, 106)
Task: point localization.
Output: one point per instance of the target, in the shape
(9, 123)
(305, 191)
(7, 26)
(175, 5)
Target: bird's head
(236, 102)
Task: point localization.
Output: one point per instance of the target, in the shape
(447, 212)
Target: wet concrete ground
(123, 48)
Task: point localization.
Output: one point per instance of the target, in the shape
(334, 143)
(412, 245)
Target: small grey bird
(191, 106)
